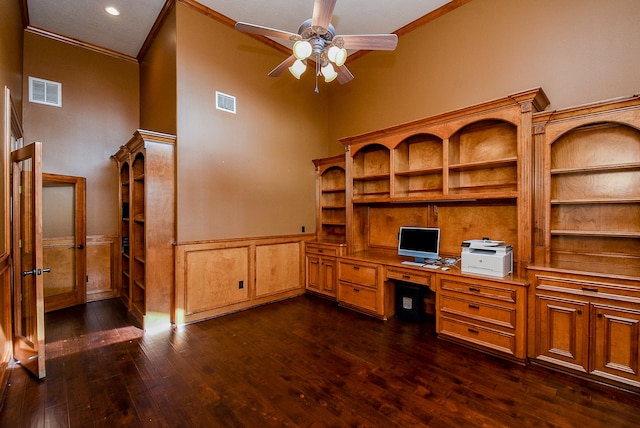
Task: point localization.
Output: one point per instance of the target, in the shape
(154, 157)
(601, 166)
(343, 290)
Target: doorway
(64, 240)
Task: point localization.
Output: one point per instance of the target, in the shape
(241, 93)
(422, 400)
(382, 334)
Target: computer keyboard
(418, 264)
(413, 264)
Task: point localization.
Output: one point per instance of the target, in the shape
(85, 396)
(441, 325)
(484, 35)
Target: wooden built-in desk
(483, 312)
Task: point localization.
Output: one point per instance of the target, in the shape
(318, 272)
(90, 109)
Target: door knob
(29, 272)
(45, 270)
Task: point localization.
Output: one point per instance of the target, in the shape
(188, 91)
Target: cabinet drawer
(490, 338)
(589, 288)
(408, 275)
(500, 315)
(362, 297)
(325, 250)
(495, 292)
(358, 273)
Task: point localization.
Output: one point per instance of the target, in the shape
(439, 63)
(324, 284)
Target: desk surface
(387, 259)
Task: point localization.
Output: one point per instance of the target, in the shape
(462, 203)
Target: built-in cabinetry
(146, 167)
(468, 172)
(562, 187)
(331, 225)
(584, 303)
(322, 268)
(588, 323)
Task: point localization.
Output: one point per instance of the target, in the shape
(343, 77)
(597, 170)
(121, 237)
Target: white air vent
(45, 92)
(225, 102)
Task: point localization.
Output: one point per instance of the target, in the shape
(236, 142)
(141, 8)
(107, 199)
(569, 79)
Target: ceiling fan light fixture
(112, 11)
(337, 55)
(302, 49)
(329, 72)
(298, 68)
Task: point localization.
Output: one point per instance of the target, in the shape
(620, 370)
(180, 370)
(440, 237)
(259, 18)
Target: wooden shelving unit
(331, 199)
(146, 168)
(586, 276)
(593, 190)
(457, 170)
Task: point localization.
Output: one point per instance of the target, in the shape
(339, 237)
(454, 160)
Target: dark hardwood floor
(300, 362)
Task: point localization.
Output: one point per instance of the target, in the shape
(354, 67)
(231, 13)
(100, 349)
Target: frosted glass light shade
(329, 73)
(302, 49)
(337, 55)
(298, 68)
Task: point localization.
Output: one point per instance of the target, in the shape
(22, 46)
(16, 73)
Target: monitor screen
(422, 243)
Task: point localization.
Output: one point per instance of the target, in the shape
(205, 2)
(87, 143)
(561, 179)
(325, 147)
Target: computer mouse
(445, 269)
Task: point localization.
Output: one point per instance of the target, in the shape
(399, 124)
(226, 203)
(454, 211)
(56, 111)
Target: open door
(64, 240)
(28, 292)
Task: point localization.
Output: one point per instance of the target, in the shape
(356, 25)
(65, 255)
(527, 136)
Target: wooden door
(28, 292)
(616, 343)
(64, 240)
(563, 332)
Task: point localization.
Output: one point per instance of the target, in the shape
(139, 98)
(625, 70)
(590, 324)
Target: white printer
(487, 257)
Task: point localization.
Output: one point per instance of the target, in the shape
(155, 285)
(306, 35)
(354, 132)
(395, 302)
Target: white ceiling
(87, 21)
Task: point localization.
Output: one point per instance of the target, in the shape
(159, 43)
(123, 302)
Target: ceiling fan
(316, 40)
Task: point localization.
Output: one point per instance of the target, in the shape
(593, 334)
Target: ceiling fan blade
(266, 31)
(370, 42)
(322, 13)
(344, 75)
(282, 67)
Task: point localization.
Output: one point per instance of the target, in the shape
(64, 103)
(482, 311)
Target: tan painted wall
(578, 51)
(158, 98)
(246, 174)
(99, 113)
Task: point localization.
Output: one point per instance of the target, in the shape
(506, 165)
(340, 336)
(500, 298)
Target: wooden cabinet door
(328, 269)
(313, 273)
(563, 331)
(616, 343)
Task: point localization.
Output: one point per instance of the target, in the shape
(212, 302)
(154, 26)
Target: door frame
(79, 295)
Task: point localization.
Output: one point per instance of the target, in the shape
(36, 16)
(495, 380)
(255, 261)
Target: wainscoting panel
(218, 277)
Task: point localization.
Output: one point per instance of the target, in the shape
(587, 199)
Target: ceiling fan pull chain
(317, 72)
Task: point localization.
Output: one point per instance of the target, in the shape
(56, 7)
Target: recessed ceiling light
(112, 11)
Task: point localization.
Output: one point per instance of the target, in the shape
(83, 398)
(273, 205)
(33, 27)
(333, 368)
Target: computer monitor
(421, 243)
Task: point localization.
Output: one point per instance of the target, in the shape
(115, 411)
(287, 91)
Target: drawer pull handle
(320, 251)
(592, 289)
(599, 315)
(356, 290)
(477, 290)
(579, 311)
(356, 267)
(406, 276)
(472, 330)
(474, 306)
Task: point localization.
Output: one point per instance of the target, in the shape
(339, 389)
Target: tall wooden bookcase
(146, 168)
(584, 301)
